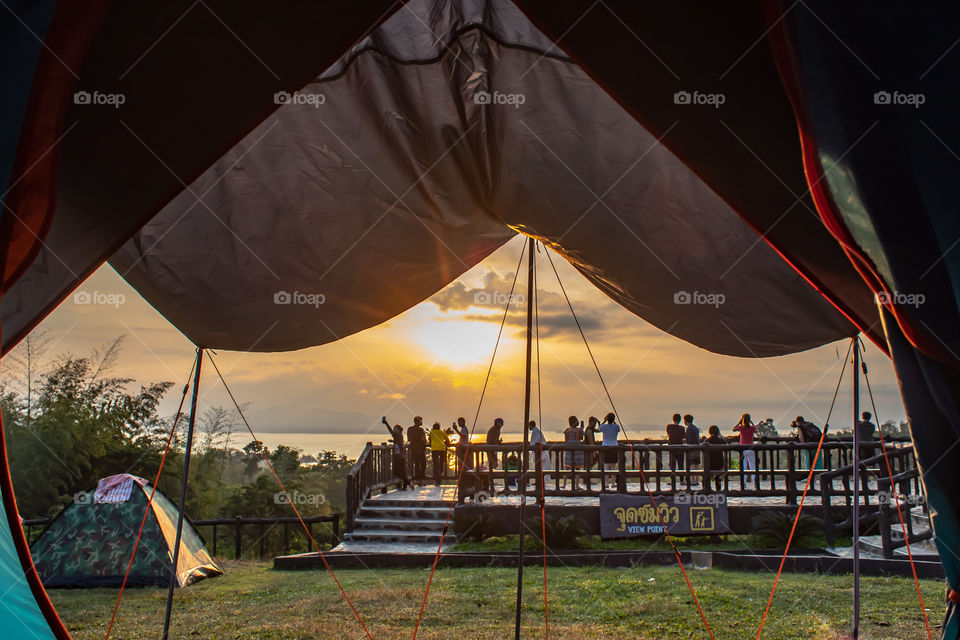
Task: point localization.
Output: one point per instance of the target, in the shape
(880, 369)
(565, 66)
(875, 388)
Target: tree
(82, 425)
(285, 461)
(891, 429)
(254, 452)
(766, 429)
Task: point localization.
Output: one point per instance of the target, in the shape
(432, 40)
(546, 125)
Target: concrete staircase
(872, 546)
(399, 526)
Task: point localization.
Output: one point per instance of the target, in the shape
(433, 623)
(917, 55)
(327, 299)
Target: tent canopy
(321, 200)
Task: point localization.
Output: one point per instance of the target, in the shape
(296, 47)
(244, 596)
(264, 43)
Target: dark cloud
(554, 314)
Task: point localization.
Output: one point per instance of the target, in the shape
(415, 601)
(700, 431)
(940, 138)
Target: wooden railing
(782, 466)
(263, 541)
(371, 472)
(876, 498)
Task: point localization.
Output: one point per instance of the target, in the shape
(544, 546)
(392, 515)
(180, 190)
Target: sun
(459, 343)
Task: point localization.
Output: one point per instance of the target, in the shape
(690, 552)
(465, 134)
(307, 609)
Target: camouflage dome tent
(151, 135)
(87, 544)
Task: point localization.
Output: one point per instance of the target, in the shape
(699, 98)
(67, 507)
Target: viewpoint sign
(625, 516)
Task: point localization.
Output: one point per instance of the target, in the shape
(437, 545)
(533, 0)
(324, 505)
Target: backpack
(811, 432)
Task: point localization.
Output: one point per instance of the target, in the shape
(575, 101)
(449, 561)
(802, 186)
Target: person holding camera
(747, 431)
(398, 454)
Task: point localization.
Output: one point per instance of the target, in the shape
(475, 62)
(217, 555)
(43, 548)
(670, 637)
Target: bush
(475, 528)
(774, 527)
(563, 533)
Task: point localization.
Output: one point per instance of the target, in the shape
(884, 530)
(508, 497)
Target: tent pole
(183, 493)
(856, 487)
(531, 295)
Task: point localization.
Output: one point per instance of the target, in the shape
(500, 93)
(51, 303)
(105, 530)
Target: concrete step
(401, 503)
(397, 536)
(371, 511)
(419, 548)
(871, 546)
(920, 550)
(398, 524)
(920, 517)
(897, 533)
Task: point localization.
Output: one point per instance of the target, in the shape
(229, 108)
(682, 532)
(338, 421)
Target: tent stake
(856, 487)
(526, 440)
(183, 494)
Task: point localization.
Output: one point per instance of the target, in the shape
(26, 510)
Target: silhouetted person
(439, 441)
(717, 459)
(573, 460)
(866, 430)
(417, 438)
(538, 444)
(691, 435)
(611, 432)
(747, 430)
(675, 436)
(464, 458)
(493, 437)
(398, 453)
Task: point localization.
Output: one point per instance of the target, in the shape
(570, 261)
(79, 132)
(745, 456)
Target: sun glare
(460, 343)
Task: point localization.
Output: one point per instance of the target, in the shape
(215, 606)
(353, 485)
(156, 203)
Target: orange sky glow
(432, 361)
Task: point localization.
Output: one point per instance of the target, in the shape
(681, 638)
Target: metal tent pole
(531, 300)
(183, 494)
(856, 487)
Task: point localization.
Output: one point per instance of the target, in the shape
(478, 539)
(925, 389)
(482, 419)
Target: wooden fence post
(791, 474)
(621, 470)
(238, 537)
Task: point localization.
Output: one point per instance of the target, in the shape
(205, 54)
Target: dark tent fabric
(877, 99)
(747, 150)
(191, 92)
(315, 204)
(802, 164)
(88, 544)
(425, 180)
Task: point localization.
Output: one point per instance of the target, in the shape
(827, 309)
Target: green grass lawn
(253, 601)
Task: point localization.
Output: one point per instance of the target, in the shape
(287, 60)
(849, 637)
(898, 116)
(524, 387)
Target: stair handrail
(901, 460)
(371, 472)
(888, 521)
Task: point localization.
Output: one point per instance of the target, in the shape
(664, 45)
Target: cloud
(555, 318)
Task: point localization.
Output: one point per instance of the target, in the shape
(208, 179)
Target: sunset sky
(431, 361)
